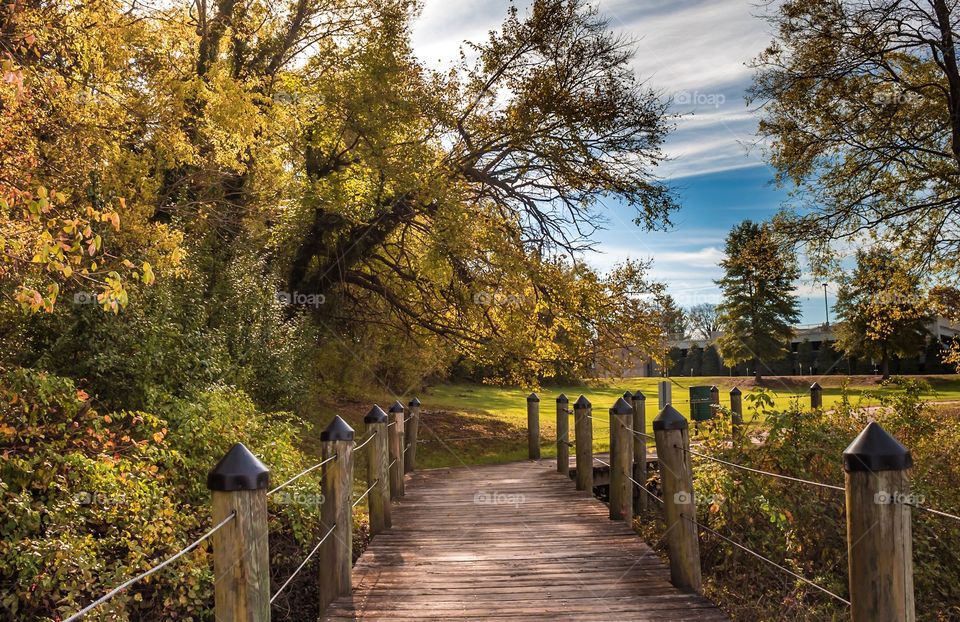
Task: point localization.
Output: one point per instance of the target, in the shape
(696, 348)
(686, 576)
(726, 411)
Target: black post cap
(627, 395)
(533, 397)
(396, 407)
(414, 402)
(669, 419)
(875, 450)
(562, 399)
(735, 391)
(622, 407)
(714, 388)
(238, 469)
(816, 387)
(639, 397)
(376, 415)
(582, 402)
(338, 430)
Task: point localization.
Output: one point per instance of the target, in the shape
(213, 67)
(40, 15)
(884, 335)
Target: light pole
(826, 307)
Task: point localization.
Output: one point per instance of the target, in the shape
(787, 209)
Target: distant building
(699, 357)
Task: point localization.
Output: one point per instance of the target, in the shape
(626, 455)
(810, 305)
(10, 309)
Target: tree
(451, 174)
(826, 358)
(882, 310)
(693, 363)
(306, 138)
(712, 365)
(702, 318)
(673, 320)
(862, 106)
(759, 306)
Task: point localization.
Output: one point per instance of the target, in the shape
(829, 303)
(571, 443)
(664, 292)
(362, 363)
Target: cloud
(693, 52)
(709, 257)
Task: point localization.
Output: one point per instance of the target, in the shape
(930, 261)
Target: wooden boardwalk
(510, 542)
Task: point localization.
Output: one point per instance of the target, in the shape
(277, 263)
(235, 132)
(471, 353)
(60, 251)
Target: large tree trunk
(948, 64)
(885, 364)
(756, 370)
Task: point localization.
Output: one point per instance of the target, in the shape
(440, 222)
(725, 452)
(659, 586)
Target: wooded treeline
(236, 152)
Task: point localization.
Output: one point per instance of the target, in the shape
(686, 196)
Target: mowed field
(472, 424)
(465, 424)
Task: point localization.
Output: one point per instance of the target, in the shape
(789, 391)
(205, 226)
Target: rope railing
(635, 482)
(924, 508)
(760, 471)
(151, 571)
(765, 559)
(873, 587)
(641, 434)
(365, 493)
(370, 437)
(303, 563)
(302, 473)
(240, 473)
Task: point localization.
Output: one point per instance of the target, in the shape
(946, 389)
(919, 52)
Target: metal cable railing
(152, 570)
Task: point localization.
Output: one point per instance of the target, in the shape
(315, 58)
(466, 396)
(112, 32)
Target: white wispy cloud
(709, 257)
(694, 52)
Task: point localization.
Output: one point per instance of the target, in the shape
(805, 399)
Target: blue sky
(696, 53)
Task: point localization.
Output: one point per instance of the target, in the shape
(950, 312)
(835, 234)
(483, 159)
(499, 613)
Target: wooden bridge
(512, 542)
(521, 541)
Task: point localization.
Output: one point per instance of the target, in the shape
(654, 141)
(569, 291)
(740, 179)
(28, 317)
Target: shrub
(91, 499)
(804, 528)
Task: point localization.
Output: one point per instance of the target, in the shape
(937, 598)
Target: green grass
(466, 424)
(482, 406)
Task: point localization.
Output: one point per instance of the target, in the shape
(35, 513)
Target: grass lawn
(501, 412)
(464, 424)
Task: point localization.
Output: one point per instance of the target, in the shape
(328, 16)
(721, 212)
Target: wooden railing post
(563, 435)
(639, 450)
(533, 426)
(410, 432)
(621, 461)
(714, 401)
(736, 406)
(816, 396)
(583, 428)
(378, 459)
(879, 539)
(671, 432)
(395, 435)
(336, 552)
(241, 555)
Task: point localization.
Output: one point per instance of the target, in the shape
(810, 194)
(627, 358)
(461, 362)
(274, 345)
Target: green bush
(90, 499)
(803, 527)
(176, 337)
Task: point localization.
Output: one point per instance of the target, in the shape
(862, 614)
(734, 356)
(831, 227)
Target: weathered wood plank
(510, 542)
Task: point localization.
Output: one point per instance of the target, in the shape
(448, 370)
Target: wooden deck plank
(510, 542)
